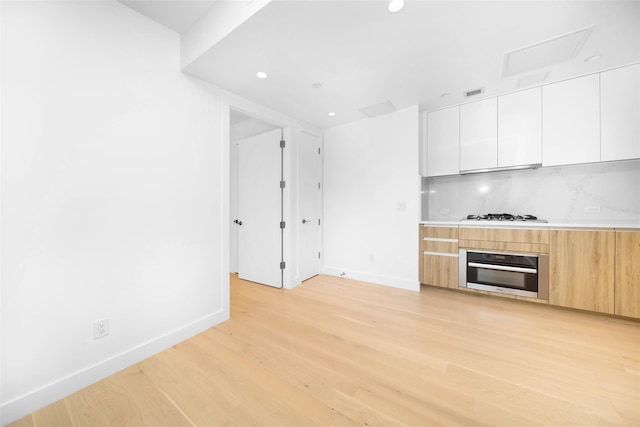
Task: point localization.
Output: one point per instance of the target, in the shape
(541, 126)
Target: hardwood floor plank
(270, 386)
(155, 408)
(191, 395)
(24, 421)
(338, 352)
(85, 407)
(55, 414)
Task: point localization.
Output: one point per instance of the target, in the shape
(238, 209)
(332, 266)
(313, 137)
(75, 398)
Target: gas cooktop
(502, 217)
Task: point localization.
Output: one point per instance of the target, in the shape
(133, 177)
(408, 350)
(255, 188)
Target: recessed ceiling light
(261, 75)
(331, 114)
(316, 85)
(395, 5)
(592, 58)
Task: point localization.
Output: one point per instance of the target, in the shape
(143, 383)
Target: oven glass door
(507, 271)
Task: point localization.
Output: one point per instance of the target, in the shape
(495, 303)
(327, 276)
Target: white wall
(114, 197)
(370, 174)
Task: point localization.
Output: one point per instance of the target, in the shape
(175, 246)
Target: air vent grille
(379, 109)
(473, 92)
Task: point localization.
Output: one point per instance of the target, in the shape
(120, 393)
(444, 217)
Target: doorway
(256, 199)
(310, 203)
(296, 255)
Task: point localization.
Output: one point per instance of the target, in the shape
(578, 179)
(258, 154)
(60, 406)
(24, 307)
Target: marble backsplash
(592, 192)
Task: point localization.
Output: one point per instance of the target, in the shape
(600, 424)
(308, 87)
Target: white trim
(395, 282)
(440, 254)
(438, 239)
(47, 394)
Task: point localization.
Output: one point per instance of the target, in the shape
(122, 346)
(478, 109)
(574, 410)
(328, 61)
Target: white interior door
(309, 196)
(259, 209)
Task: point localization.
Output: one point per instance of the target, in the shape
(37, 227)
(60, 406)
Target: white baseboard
(32, 401)
(395, 282)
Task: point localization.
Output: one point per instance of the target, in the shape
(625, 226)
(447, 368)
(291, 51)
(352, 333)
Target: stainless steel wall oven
(524, 275)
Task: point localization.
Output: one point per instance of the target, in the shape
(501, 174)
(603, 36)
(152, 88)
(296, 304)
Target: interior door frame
(253, 110)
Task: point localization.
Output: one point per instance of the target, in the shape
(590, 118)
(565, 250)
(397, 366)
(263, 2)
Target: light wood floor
(336, 352)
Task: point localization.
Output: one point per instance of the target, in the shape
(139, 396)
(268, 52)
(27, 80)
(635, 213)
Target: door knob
(238, 222)
(304, 221)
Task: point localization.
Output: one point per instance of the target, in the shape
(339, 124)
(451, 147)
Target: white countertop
(552, 224)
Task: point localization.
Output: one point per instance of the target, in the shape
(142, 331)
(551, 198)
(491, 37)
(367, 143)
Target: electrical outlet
(100, 328)
(444, 211)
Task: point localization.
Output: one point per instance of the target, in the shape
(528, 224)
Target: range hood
(501, 169)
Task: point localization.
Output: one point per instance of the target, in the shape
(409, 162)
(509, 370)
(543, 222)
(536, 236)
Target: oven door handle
(503, 267)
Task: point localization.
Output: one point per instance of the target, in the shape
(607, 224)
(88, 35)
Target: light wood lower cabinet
(439, 252)
(440, 270)
(582, 269)
(627, 288)
(594, 270)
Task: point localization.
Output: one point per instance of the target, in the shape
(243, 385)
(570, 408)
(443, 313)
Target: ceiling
(178, 15)
(362, 55)
(243, 126)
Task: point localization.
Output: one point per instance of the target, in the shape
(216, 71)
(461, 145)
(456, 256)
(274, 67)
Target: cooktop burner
(502, 217)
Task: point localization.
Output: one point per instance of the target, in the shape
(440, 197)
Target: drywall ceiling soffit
(363, 56)
(178, 15)
(243, 126)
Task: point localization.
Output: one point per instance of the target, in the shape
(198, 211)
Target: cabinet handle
(503, 267)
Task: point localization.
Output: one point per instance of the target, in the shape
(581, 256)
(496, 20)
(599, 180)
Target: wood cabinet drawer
(536, 248)
(440, 232)
(439, 246)
(516, 235)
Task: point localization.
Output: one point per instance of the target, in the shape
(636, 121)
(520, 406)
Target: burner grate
(502, 217)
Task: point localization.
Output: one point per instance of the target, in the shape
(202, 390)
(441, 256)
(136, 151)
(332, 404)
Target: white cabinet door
(443, 139)
(620, 112)
(571, 121)
(479, 135)
(520, 128)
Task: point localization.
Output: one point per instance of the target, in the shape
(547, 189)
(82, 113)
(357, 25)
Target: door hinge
(283, 184)
(282, 265)
(318, 255)
(318, 186)
(318, 221)
(282, 144)
(282, 224)
(318, 150)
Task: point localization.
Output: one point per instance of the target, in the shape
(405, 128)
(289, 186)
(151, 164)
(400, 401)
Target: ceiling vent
(378, 109)
(473, 92)
(545, 53)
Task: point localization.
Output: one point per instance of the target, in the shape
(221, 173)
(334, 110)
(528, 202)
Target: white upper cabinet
(571, 121)
(479, 135)
(520, 128)
(443, 137)
(620, 113)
